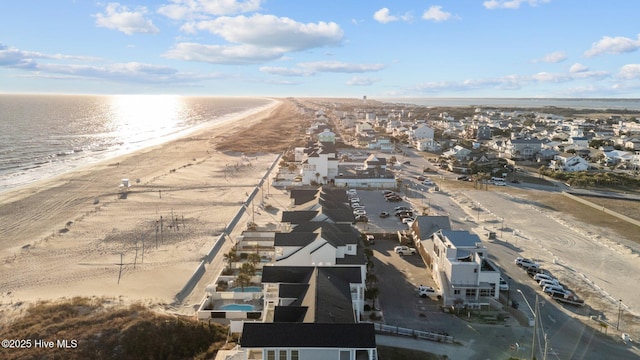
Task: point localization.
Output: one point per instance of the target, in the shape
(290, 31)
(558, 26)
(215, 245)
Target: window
(282, 355)
(271, 355)
(345, 355)
(456, 292)
(295, 354)
(471, 293)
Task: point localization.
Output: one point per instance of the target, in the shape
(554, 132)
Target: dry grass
(103, 331)
(284, 128)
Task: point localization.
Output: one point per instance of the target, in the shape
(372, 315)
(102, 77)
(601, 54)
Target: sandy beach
(79, 235)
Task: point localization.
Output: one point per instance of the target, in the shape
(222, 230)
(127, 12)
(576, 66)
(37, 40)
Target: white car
(526, 263)
(424, 291)
(404, 250)
(553, 289)
(504, 286)
(408, 220)
(359, 212)
(544, 283)
(540, 277)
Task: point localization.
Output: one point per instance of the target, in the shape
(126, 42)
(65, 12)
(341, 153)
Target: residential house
(525, 149)
(458, 262)
(569, 163)
(293, 341)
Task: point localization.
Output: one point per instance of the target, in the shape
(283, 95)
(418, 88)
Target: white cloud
(554, 57)
(199, 9)
(613, 45)
(311, 68)
(269, 31)
(630, 71)
(283, 71)
(340, 67)
(361, 81)
(119, 72)
(219, 54)
(382, 16)
(578, 68)
(118, 17)
(436, 14)
(511, 4)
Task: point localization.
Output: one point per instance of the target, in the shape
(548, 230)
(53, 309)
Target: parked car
(539, 277)
(533, 271)
(400, 213)
(463, 178)
(394, 199)
(398, 208)
(551, 288)
(424, 291)
(504, 286)
(371, 239)
(384, 214)
(385, 192)
(361, 218)
(544, 283)
(526, 263)
(404, 250)
(408, 220)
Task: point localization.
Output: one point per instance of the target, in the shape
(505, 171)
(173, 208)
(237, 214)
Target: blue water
(46, 135)
(247, 289)
(238, 307)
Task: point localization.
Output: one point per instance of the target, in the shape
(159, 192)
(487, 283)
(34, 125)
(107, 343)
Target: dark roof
(297, 217)
(294, 239)
(336, 234)
(313, 335)
(301, 196)
(289, 314)
(292, 291)
(461, 238)
(425, 226)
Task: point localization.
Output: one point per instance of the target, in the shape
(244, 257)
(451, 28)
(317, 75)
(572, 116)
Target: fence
(201, 269)
(416, 334)
(599, 207)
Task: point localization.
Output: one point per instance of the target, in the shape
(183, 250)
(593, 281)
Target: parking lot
(375, 203)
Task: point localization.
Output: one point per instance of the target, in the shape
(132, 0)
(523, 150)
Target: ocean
(45, 135)
(572, 103)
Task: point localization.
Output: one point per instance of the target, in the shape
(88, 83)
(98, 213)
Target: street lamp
(535, 326)
(619, 313)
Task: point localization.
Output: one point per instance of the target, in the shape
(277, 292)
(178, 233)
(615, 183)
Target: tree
(230, 257)
(243, 280)
(292, 167)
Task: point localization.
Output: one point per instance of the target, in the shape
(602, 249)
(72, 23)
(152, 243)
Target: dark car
(514, 304)
(403, 213)
(362, 218)
(462, 178)
(394, 199)
(384, 214)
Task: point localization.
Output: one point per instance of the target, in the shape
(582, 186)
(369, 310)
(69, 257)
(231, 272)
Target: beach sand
(79, 235)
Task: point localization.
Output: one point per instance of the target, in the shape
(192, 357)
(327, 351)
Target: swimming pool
(239, 307)
(247, 289)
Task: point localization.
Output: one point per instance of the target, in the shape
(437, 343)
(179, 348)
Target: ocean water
(46, 135)
(572, 103)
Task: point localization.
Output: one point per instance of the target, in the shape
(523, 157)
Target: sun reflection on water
(134, 117)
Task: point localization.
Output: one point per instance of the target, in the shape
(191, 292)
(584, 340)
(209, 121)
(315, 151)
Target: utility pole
(619, 313)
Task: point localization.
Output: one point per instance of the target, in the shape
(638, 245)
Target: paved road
(567, 338)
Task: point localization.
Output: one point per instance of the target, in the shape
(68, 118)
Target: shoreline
(30, 175)
(77, 235)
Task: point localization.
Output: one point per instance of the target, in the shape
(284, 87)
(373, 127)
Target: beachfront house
(569, 163)
(275, 341)
(459, 264)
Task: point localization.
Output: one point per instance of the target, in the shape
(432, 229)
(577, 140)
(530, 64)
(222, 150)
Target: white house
(321, 163)
(459, 264)
(327, 136)
(569, 163)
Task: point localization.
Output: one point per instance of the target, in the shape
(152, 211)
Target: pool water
(239, 307)
(247, 289)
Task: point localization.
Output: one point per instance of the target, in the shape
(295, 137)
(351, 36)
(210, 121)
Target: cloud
(120, 72)
(270, 31)
(436, 14)
(613, 45)
(255, 39)
(200, 9)
(578, 68)
(383, 16)
(630, 71)
(361, 81)
(118, 17)
(219, 54)
(340, 67)
(312, 68)
(553, 58)
(511, 4)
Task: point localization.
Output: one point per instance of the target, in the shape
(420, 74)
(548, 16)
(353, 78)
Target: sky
(328, 48)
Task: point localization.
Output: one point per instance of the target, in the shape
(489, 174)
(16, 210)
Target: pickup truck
(404, 250)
